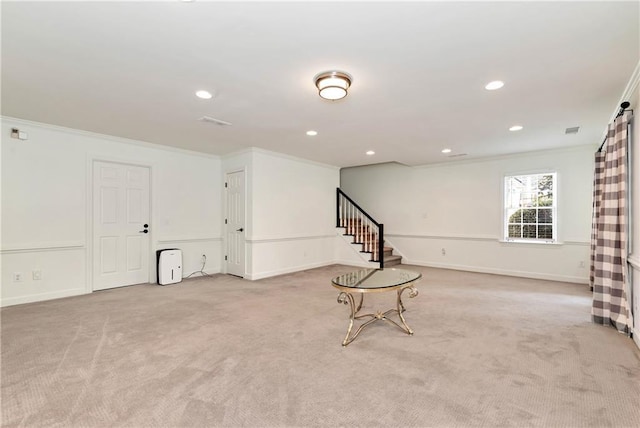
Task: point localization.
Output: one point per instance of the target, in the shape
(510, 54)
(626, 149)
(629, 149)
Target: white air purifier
(169, 266)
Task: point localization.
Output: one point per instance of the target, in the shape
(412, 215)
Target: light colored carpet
(221, 351)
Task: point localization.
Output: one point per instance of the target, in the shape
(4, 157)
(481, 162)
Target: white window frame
(507, 210)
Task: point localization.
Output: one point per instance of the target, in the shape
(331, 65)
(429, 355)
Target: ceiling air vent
(218, 122)
(458, 155)
(573, 130)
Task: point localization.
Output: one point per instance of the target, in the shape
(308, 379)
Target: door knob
(240, 230)
(144, 231)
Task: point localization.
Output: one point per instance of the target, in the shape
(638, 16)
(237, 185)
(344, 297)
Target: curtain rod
(623, 108)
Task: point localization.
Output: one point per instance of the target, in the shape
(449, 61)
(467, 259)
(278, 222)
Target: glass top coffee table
(375, 281)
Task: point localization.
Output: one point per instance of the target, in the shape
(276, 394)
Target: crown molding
(107, 137)
(629, 91)
(567, 149)
(258, 150)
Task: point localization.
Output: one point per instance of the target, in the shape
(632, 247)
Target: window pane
(529, 216)
(545, 232)
(529, 231)
(527, 199)
(545, 190)
(515, 231)
(513, 199)
(545, 215)
(516, 217)
(545, 200)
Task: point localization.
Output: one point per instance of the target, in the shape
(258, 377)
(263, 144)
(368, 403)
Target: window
(530, 207)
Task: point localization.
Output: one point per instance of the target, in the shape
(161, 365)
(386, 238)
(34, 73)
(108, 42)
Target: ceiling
(130, 69)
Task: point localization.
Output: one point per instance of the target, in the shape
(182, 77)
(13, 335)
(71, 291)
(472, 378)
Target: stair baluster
(359, 224)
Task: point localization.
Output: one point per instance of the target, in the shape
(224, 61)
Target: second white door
(235, 258)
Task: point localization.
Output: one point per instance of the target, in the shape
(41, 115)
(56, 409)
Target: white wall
(634, 258)
(458, 207)
(291, 213)
(46, 208)
(46, 199)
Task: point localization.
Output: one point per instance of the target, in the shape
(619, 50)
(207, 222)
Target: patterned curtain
(598, 182)
(609, 274)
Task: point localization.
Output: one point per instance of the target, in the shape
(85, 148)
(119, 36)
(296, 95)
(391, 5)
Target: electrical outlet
(444, 252)
(17, 277)
(36, 274)
(581, 265)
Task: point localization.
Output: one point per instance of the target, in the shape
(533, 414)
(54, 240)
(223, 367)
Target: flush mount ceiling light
(516, 128)
(332, 85)
(312, 133)
(371, 153)
(446, 150)
(492, 86)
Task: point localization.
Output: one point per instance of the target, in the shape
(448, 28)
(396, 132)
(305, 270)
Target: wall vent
(573, 130)
(219, 122)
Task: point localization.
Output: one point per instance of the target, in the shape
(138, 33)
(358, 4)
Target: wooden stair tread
(362, 234)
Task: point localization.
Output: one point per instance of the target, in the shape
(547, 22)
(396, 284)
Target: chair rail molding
(268, 239)
(175, 240)
(37, 247)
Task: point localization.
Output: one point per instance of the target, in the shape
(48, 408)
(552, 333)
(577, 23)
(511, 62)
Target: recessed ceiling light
(312, 133)
(515, 128)
(496, 84)
(446, 150)
(205, 95)
(371, 153)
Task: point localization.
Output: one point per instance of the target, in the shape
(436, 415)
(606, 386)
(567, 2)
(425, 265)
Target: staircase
(364, 231)
(389, 259)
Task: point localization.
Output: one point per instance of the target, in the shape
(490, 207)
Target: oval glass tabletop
(369, 279)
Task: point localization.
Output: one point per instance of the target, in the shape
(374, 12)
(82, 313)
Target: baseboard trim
(505, 272)
(360, 264)
(33, 298)
(194, 274)
(268, 274)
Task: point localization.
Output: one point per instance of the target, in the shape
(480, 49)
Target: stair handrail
(380, 226)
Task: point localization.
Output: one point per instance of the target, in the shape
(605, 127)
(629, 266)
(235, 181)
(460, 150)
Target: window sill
(543, 243)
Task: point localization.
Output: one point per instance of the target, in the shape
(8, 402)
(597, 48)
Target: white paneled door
(120, 225)
(235, 223)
